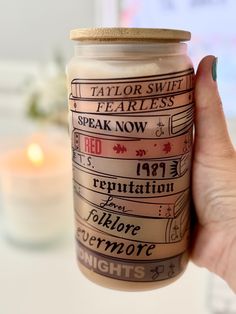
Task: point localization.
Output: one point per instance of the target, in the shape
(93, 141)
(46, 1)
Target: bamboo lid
(130, 34)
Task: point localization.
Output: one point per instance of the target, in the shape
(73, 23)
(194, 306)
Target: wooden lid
(129, 34)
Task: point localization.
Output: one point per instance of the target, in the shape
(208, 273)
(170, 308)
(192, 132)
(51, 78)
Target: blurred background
(38, 274)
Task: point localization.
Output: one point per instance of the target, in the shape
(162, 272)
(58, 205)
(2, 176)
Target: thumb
(212, 137)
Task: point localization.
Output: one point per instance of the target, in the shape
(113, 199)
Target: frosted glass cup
(131, 110)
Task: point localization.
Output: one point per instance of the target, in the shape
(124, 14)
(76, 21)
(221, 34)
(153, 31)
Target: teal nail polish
(214, 69)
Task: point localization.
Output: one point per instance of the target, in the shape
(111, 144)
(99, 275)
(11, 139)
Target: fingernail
(214, 69)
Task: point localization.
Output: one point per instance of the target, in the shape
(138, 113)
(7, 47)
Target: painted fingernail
(214, 69)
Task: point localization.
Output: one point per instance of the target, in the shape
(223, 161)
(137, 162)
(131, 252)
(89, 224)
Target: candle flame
(35, 154)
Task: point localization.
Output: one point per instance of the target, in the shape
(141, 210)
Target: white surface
(49, 282)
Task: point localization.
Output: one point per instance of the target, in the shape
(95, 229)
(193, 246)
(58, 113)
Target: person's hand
(213, 180)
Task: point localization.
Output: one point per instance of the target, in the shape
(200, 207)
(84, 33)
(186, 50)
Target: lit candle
(35, 154)
(36, 193)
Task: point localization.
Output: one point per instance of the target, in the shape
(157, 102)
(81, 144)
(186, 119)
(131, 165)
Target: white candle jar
(36, 199)
(131, 112)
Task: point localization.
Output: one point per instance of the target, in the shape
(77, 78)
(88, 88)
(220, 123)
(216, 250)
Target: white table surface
(49, 282)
